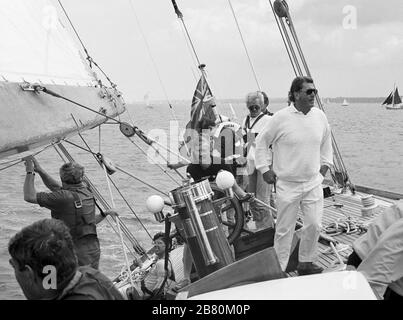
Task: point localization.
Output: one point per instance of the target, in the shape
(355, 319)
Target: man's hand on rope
(32, 164)
(29, 164)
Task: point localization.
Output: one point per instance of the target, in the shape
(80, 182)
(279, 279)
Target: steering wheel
(229, 212)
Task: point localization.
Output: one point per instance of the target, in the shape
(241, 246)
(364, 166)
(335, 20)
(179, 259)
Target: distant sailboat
(345, 103)
(393, 101)
(147, 101)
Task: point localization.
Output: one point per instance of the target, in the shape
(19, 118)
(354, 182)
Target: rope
(118, 225)
(344, 225)
(131, 209)
(12, 163)
(89, 58)
(282, 36)
(136, 129)
(180, 16)
(132, 239)
(140, 180)
(165, 171)
(153, 61)
(96, 156)
(244, 45)
(121, 170)
(97, 195)
(338, 161)
(194, 61)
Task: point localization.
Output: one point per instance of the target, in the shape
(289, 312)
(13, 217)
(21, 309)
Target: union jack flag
(201, 114)
(201, 107)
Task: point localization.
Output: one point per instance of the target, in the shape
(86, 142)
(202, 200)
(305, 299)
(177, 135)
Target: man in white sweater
(302, 153)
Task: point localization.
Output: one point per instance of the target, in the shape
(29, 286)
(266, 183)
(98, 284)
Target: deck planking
(351, 208)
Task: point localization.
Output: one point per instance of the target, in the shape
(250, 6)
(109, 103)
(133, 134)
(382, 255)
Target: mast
(200, 65)
(283, 19)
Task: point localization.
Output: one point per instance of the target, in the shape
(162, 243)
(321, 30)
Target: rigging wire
(96, 156)
(180, 17)
(199, 65)
(339, 163)
(192, 57)
(245, 47)
(89, 58)
(282, 36)
(136, 130)
(99, 197)
(19, 160)
(117, 189)
(153, 61)
(118, 224)
(130, 207)
(148, 156)
(127, 232)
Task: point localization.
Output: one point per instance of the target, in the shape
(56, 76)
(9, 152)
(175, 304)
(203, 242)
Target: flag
(202, 105)
(201, 115)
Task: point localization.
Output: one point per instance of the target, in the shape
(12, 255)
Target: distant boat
(345, 103)
(147, 101)
(393, 101)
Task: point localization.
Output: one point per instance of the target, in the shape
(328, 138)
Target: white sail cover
(36, 47)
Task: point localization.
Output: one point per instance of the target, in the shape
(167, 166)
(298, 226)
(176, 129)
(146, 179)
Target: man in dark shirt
(46, 268)
(204, 166)
(72, 202)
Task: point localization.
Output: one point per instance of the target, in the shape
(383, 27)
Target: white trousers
(292, 196)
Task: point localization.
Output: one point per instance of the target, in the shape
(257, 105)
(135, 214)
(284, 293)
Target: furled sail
(36, 48)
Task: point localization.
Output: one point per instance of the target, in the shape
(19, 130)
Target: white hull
(394, 107)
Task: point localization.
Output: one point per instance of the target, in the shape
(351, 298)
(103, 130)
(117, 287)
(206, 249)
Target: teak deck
(351, 208)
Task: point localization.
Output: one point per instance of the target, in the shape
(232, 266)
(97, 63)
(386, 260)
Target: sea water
(369, 138)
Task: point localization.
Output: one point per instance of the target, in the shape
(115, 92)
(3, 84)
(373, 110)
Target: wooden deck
(351, 207)
(339, 206)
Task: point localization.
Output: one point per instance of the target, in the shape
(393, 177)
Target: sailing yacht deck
(351, 207)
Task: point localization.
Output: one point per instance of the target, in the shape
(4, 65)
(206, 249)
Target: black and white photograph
(200, 156)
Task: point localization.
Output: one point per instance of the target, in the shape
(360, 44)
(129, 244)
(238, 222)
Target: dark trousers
(88, 251)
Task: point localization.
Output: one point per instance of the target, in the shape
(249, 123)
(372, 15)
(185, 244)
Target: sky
(354, 48)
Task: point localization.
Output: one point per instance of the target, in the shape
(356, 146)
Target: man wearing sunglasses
(253, 124)
(302, 153)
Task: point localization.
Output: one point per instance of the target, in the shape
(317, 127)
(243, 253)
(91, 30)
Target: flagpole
(213, 107)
